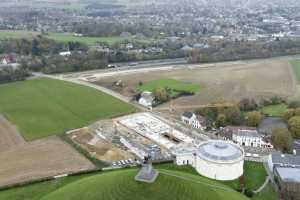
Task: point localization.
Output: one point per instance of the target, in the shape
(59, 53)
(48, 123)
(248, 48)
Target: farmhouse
(191, 119)
(146, 99)
(214, 159)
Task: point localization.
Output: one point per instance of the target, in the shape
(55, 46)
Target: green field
(62, 37)
(274, 110)
(120, 185)
(176, 86)
(16, 34)
(43, 107)
(69, 37)
(296, 67)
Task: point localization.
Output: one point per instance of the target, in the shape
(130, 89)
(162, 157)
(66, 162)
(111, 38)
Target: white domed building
(214, 159)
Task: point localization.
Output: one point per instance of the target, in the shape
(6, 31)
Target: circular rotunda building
(215, 159)
(220, 160)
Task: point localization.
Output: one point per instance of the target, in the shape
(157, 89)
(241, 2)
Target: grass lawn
(43, 107)
(69, 37)
(175, 86)
(254, 174)
(266, 194)
(120, 185)
(296, 67)
(274, 110)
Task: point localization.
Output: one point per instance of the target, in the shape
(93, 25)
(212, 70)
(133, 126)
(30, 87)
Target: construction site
(129, 139)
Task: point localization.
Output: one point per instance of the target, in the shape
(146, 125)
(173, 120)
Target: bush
(248, 104)
(253, 118)
(294, 126)
(281, 139)
(287, 115)
(221, 121)
(210, 113)
(249, 193)
(294, 104)
(233, 115)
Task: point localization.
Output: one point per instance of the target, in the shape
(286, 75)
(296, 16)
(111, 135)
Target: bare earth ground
(222, 82)
(9, 135)
(23, 161)
(98, 147)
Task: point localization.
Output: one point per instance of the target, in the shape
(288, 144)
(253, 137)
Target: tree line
(228, 51)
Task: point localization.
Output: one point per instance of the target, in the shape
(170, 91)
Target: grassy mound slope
(120, 185)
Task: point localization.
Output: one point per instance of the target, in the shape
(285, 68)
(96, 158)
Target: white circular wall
(219, 171)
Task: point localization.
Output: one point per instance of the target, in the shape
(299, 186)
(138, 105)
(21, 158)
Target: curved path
(263, 185)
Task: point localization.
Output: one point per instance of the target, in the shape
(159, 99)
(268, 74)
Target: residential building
(191, 119)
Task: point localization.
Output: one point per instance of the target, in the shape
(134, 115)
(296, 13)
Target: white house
(7, 59)
(191, 119)
(78, 34)
(4, 61)
(129, 46)
(146, 99)
(65, 53)
(250, 138)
